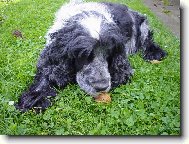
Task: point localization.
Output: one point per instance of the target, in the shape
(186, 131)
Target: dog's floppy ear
(120, 69)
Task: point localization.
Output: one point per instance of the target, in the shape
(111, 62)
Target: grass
(149, 105)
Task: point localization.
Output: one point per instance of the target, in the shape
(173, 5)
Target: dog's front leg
(37, 95)
(151, 51)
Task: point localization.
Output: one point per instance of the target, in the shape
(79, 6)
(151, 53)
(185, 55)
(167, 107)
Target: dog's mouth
(95, 93)
(98, 93)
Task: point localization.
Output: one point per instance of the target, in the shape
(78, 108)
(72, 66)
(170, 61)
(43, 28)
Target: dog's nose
(100, 85)
(100, 88)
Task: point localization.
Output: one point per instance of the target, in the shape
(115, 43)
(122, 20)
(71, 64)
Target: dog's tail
(76, 1)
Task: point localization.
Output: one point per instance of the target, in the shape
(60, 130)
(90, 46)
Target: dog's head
(94, 66)
(96, 47)
(93, 75)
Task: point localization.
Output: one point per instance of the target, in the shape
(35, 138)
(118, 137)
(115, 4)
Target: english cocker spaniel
(88, 44)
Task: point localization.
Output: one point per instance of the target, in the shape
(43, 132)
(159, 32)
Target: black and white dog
(88, 44)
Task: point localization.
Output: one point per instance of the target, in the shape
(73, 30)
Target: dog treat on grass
(103, 97)
(155, 61)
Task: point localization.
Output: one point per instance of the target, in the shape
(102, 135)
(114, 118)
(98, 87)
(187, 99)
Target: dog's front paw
(156, 54)
(32, 100)
(37, 100)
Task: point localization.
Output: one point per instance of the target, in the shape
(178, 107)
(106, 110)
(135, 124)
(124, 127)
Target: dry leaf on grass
(103, 97)
(155, 62)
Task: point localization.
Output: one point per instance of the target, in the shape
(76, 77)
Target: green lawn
(149, 105)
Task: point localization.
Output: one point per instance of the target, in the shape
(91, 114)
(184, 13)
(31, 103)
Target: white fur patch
(93, 25)
(144, 28)
(76, 1)
(130, 45)
(71, 9)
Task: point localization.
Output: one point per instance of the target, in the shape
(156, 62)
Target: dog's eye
(80, 62)
(83, 60)
(90, 57)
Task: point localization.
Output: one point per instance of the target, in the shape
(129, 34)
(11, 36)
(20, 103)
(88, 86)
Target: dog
(89, 44)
